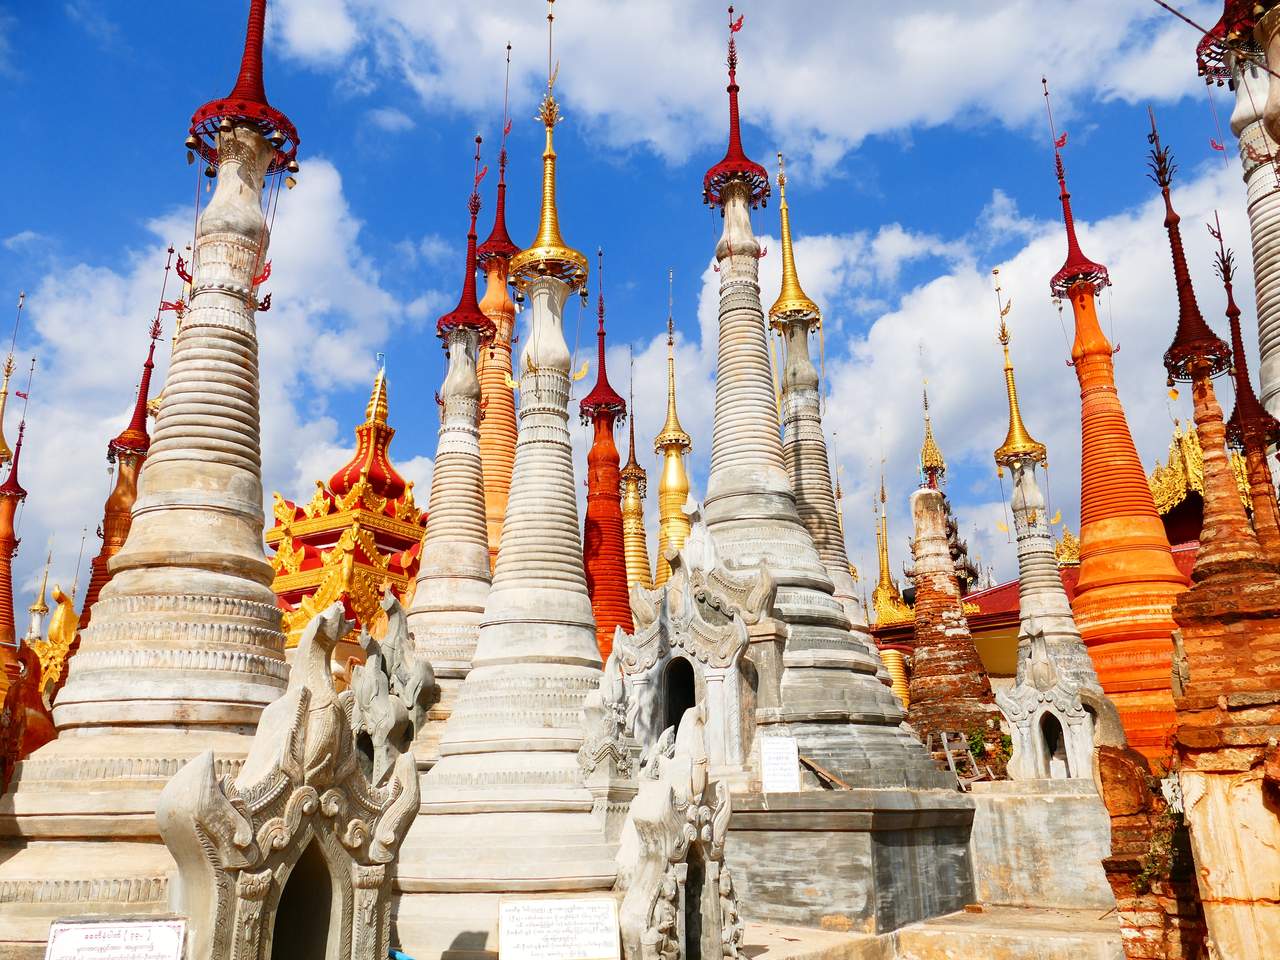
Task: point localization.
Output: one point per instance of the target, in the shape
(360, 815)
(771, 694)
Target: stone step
(1013, 933)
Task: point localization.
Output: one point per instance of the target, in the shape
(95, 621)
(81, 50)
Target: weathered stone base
(869, 861)
(870, 754)
(1041, 843)
(78, 832)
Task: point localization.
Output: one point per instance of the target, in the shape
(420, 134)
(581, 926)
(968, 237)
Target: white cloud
(21, 240)
(391, 119)
(821, 82)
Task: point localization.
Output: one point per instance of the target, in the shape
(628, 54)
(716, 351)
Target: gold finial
(672, 434)
(41, 604)
(1018, 443)
(886, 599)
(549, 255)
(1067, 550)
(932, 465)
(792, 302)
(377, 410)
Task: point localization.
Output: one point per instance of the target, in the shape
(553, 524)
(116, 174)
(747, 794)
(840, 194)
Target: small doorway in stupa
(1055, 747)
(678, 691)
(305, 910)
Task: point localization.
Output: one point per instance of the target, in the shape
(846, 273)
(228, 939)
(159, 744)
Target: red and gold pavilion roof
(360, 533)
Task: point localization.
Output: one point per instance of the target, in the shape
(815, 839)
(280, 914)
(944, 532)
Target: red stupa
(603, 553)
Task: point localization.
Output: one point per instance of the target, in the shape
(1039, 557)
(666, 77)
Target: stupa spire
(1077, 268)
(672, 444)
(1018, 442)
(497, 398)
(804, 446)
(454, 574)
(509, 750)
(40, 606)
(549, 255)
(5, 453)
(12, 494)
(603, 546)
(126, 450)
(735, 167)
(634, 482)
(1128, 580)
(371, 463)
(932, 465)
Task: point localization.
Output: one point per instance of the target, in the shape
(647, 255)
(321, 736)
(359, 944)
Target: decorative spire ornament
(673, 445)
(1128, 580)
(603, 548)
(5, 453)
(454, 575)
(497, 398)
(1018, 443)
(1250, 428)
(634, 487)
(12, 494)
(804, 446)
(736, 167)
(509, 750)
(39, 608)
(886, 598)
(932, 465)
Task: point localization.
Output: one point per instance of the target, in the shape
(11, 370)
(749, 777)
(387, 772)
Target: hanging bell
(276, 139)
(293, 166)
(191, 158)
(192, 142)
(225, 125)
(210, 171)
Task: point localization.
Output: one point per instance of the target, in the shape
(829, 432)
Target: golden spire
(792, 300)
(635, 542)
(672, 434)
(672, 443)
(376, 411)
(1018, 443)
(5, 453)
(549, 255)
(886, 599)
(931, 463)
(41, 604)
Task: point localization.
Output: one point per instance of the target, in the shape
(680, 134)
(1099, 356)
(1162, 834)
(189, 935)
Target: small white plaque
(558, 929)
(779, 765)
(116, 940)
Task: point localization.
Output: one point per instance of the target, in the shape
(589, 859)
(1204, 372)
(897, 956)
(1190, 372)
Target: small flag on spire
(1217, 146)
(736, 25)
(1061, 141)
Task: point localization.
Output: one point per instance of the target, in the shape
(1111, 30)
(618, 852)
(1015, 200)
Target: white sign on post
(558, 929)
(116, 940)
(779, 765)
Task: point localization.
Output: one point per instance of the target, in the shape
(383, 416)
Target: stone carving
(607, 757)
(392, 693)
(700, 617)
(671, 866)
(1052, 731)
(302, 795)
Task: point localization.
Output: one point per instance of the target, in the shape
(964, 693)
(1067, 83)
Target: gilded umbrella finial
(1018, 442)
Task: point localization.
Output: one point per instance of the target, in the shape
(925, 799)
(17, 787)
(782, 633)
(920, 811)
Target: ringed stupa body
(505, 810)
(184, 646)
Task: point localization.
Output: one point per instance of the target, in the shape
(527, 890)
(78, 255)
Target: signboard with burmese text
(558, 928)
(779, 765)
(117, 939)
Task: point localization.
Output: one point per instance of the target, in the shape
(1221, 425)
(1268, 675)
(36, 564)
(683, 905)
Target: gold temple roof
(1183, 472)
(792, 300)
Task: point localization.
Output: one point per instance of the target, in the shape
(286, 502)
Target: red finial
(467, 312)
(1226, 38)
(603, 400)
(1249, 419)
(247, 102)
(499, 244)
(1077, 268)
(735, 167)
(11, 487)
(1194, 344)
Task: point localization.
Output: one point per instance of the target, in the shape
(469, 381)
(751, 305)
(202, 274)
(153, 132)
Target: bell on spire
(247, 103)
(735, 167)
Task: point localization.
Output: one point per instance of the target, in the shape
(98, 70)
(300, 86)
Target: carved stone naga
(304, 789)
(671, 866)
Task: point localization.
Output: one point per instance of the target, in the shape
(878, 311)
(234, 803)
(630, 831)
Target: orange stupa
(498, 425)
(1128, 581)
(603, 553)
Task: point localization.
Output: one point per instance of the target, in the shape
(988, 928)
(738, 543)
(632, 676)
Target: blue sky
(917, 150)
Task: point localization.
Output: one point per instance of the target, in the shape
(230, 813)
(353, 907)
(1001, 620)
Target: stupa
(635, 538)
(505, 810)
(184, 647)
(603, 547)
(1128, 579)
(453, 579)
(497, 398)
